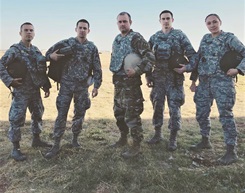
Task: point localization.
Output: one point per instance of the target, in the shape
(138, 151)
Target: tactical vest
(120, 49)
(165, 45)
(212, 50)
(32, 61)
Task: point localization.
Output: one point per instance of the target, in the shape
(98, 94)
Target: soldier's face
(166, 20)
(123, 23)
(27, 33)
(213, 24)
(82, 30)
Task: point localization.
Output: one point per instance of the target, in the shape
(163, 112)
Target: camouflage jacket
(35, 62)
(84, 61)
(132, 42)
(165, 45)
(211, 50)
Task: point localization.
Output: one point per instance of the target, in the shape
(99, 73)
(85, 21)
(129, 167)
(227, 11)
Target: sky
(55, 20)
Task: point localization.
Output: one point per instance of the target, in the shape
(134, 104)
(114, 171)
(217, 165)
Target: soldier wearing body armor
(74, 85)
(23, 68)
(165, 82)
(214, 83)
(128, 98)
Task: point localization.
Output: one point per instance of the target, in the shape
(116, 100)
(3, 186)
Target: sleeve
(7, 58)
(141, 46)
(97, 72)
(189, 52)
(235, 44)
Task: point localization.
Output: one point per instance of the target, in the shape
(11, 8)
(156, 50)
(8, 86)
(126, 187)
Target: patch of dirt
(4, 184)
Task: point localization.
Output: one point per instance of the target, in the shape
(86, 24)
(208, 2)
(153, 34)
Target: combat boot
(54, 150)
(37, 142)
(16, 153)
(172, 146)
(74, 141)
(229, 157)
(123, 140)
(133, 151)
(157, 138)
(204, 144)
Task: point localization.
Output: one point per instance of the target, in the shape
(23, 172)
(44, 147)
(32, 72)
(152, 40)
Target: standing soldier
(128, 98)
(23, 67)
(217, 82)
(167, 44)
(79, 62)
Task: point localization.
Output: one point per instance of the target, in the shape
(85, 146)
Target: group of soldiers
(164, 59)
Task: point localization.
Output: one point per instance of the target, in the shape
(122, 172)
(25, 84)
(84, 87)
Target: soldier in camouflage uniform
(74, 82)
(166, 83)
(216, 84)
(26, 88)
(128, 98)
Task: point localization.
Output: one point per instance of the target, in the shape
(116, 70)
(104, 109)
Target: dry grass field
(96, 168)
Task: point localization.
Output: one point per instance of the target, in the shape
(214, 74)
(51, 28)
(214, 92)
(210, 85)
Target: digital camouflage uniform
(84, 60)
(215, 84)
(28, 94)
(128, 98)
(167, 83)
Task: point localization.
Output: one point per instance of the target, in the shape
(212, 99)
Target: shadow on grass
(97, 168)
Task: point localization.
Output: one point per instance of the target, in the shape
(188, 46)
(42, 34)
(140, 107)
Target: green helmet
(231, 59)
(176, 59)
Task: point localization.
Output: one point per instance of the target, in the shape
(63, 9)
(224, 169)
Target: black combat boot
(229, 157)
(157, 138)
(74, 141)
(133, 151)
(16, 153)
(37, 142)
(54, 150)
(172, 146)
(123, 140)
(204, 144)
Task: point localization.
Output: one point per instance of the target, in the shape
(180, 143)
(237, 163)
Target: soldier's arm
(235, 44)
(96, 67)
(143, 49)
(189, 52)
(7, 58)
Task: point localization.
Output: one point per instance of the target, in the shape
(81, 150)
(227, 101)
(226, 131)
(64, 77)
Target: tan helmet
(131, 61)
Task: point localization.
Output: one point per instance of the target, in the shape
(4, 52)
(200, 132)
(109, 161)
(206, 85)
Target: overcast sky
(55, 20)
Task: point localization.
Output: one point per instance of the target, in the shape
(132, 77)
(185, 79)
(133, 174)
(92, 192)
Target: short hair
(166, 11)
(213, 14)
(125, 13)
(26, 23)
(84, 21)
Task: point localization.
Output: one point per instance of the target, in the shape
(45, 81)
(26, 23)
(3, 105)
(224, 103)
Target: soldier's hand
(149, 82)
(193, 86)
(180, 70)
(232, 72)
(130, 72)
(46, 93)
(16, 82)
(94, 92)
(55, 56)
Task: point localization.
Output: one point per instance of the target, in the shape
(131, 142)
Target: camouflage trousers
(222, 89)
(80, 96)
(128, 106)
(17, 114)
(165, 88)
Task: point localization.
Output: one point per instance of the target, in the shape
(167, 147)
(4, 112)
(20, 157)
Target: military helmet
(17, 69)
(131, 61)
(231, 59)
(176, 59)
